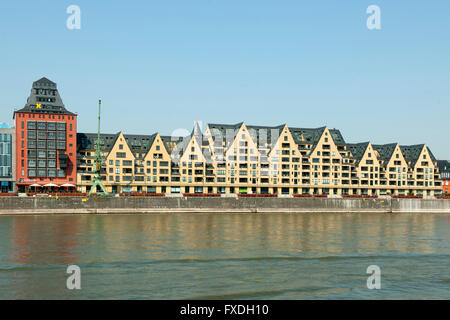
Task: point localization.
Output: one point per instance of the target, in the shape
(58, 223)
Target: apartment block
(7, 159)
(246, 159)
(45, 140)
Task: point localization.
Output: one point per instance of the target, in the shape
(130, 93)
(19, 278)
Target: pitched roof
(337, 136)
(358, 149)
(433, 158)
(265, 133)
(444, 167)
(137, 143)
(44, 98)
(412, 153)
(175, 144)
(385, 150)
(307, 135)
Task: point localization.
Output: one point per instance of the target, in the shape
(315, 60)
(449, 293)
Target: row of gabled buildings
(242, 158)
(224, 159)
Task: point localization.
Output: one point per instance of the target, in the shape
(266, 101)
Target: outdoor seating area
(51, 188)
(57, 194)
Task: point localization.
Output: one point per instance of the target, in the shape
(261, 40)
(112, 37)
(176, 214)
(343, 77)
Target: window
(121, 154)
(61, 135)
(31, 125)
(51, 126)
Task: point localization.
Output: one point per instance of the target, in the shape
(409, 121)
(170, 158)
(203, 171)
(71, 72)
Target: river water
(226, 256)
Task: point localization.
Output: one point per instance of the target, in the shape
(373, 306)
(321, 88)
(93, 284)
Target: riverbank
(130, 205)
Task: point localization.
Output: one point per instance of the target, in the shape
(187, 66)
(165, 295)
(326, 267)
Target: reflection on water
(214, 256)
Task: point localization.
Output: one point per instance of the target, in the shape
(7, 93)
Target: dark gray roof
(431, 155)
(444, 166)
(140, 143)
(256, 132)
(222, 128)
(337, 137)
(86, 141)
(385, 150)
(137, 143)
(44, 93)
(412, 153)
(358, 150)
(172, 142)
(306, 135)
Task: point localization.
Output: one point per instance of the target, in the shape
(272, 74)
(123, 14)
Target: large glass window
(41, 173)
(31, 125)
(41, 144)
(61, 145)
(61, 135)
(51, 126)
(32, 153)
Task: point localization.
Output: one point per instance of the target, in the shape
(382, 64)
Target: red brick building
(46, 134)
(444, 170)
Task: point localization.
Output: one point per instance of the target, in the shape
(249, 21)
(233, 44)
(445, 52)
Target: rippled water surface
(226, 256)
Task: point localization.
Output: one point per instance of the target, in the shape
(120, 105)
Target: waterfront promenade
(112, 205)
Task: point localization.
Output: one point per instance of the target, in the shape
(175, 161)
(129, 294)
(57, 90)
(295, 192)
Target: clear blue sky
(160, 65)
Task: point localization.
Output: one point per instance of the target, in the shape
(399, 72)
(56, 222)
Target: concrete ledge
(122, 205)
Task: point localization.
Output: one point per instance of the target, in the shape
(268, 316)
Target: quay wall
(77, 205)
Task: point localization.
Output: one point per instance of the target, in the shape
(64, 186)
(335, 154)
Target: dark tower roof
(44, 98)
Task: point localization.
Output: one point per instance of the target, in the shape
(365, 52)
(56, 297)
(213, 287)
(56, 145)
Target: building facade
(7, 159)
(45, 139)
(444, 169)
(244, 159)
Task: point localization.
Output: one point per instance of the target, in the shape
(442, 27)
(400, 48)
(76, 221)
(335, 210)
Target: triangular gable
(326, 135)
(120, 140)
(243, 135)
(157, 143)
